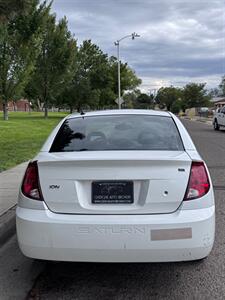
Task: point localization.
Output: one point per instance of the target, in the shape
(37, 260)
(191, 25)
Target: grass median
(23, 135)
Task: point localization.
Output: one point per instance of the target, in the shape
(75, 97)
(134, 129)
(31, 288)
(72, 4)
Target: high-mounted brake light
(198, 184)
(31, 186)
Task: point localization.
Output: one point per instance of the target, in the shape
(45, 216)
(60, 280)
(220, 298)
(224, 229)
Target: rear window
(120, 132)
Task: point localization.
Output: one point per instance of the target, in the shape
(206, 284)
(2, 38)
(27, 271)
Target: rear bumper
(183, 235)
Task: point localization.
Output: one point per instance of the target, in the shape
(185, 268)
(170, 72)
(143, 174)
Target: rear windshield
(120, 132)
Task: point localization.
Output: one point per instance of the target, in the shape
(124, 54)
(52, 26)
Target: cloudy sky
(181, 41)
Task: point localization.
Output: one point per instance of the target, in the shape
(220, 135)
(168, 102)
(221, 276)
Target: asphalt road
(189, 280)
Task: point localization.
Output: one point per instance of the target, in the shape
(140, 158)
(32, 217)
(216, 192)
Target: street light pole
(117, 43)
(119, 90)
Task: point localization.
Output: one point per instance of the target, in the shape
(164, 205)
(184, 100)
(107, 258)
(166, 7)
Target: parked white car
(117, 186)
(219, 118)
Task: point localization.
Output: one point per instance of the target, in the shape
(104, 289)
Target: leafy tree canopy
(55, 63)
(144, 101)
(129, 80)
(94, 81)
(166, 96)
(222, 87)
(20, 40)
(10, 8)
(195, 95)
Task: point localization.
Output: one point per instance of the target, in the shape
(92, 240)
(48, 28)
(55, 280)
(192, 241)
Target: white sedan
(117, 186)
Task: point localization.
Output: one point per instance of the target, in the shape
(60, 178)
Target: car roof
(122, 112)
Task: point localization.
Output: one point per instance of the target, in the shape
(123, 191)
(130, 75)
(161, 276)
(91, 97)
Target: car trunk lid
(159, 180)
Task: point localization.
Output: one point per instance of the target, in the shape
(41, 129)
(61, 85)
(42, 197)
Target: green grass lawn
(23, 135)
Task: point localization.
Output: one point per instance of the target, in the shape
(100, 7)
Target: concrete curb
(7, 225)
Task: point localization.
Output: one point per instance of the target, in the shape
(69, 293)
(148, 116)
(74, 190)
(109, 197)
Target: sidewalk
(9, 186)
(208, 121)
(10, 181)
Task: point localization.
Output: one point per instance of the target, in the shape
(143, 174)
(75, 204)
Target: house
(20, 105)
(218, 102)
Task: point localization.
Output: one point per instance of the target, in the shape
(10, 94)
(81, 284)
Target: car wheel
(216, 125)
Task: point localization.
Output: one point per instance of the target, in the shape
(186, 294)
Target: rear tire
(216, 126)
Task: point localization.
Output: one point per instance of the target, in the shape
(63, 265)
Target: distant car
(219, 118)
(117, 186)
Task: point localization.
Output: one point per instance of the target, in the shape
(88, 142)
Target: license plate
(112, 192)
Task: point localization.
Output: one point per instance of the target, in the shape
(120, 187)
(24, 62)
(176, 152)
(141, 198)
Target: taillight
(31, 186)
(198, 184)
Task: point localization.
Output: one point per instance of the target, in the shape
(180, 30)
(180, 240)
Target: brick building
(20, 105)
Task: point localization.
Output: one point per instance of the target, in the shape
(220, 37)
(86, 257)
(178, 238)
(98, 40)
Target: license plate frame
(112, 192)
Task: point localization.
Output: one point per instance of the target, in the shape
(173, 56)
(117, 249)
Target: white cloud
(152, 84)
(181, 41)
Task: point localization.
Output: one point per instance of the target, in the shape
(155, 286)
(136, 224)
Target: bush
(175, 107)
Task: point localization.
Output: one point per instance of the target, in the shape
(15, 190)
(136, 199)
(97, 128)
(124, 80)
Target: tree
(91, 83)
(130, 98)
(10, 8)
(95, 68)
(128, 78)
(54, 65)
(176, 106)
(143, 101)
(195, 95)
(19, 47)
(214, 92)
(222, 87)
(166, 96)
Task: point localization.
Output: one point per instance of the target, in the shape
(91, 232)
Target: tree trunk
(71, 109)
(46, 108)
(5, 111)
(46, 112)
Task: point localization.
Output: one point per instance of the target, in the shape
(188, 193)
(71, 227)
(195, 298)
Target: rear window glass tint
(120, 132)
